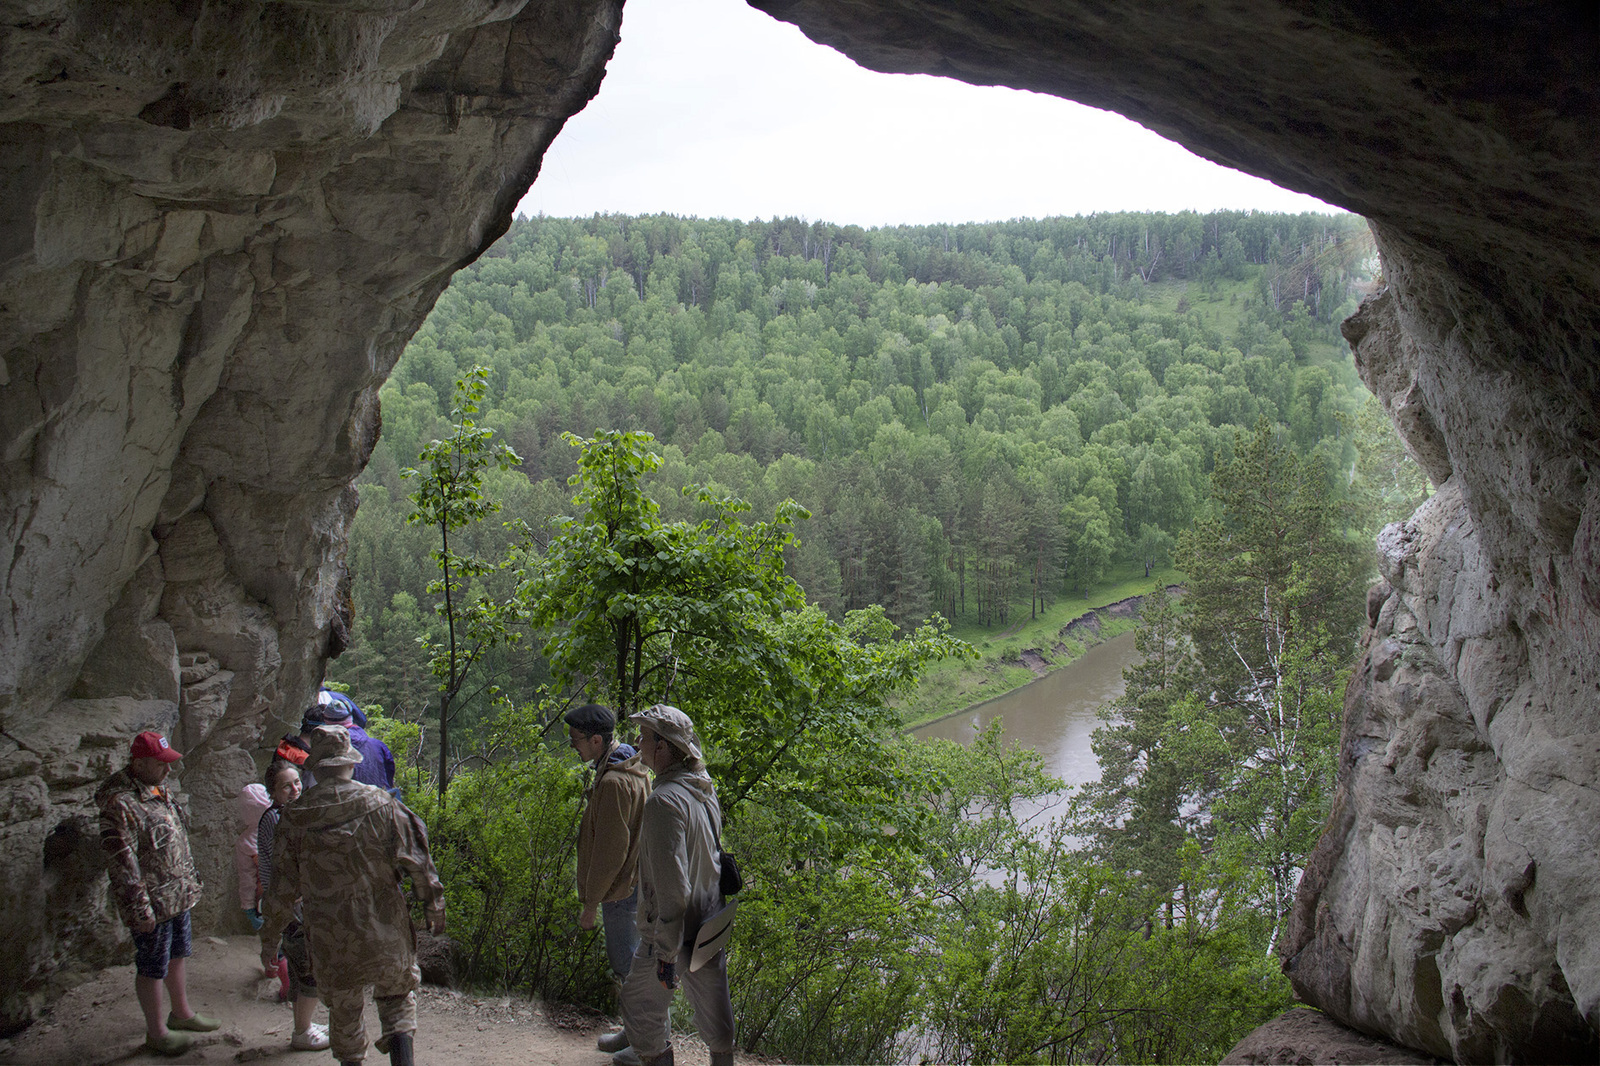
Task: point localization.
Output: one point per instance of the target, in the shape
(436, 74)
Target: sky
(714, 109)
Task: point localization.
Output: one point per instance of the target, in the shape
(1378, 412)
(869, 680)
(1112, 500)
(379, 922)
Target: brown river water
(1055, 715)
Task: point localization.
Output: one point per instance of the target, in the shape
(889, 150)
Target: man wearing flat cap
(153, 880)
(342, 847)
(680, 878)
(608, 838)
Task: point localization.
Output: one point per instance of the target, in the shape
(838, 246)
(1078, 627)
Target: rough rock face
(1451, 905)
(219, 224)
(1303, 1037)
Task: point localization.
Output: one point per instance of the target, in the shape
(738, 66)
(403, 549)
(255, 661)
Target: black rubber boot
(400, 1050)
(663, 1059)
(722, 1058)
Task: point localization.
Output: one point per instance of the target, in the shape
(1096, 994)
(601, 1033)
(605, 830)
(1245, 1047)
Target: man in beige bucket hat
(680, 877)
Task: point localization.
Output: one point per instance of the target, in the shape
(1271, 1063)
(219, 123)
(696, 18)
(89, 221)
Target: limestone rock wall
(219, 224)
(220, 221)
(1451, 905)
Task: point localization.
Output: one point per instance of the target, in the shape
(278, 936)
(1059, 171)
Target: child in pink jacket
(248, 805)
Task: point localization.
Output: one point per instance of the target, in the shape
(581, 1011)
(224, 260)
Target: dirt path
(99, 1023)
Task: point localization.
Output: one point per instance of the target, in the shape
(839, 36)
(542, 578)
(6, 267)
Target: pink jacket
(248, 805)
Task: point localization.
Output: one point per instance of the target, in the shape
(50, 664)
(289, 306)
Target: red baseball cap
(150, 745)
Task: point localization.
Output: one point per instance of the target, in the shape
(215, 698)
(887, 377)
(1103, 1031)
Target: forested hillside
(753, 468)
(980, 418)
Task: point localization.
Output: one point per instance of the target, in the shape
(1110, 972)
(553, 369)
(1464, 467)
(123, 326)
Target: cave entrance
(714, 109)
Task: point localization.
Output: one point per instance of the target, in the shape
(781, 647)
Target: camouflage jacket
(342, 848)
(146, 840)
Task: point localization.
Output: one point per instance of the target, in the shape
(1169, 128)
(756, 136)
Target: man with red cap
(153, 880)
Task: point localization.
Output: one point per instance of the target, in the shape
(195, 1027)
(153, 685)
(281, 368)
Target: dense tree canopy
(976, 416)
(745, 467)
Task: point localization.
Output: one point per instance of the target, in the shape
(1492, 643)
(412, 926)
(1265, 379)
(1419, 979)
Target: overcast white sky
(712, 108)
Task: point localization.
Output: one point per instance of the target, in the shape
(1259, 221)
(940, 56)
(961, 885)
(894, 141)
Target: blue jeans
(620, 919)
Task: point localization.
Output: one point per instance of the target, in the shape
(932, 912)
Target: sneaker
(171, 1044)
(315, 1038)
(626, 1057)
(612, 1042)
(194, 1023)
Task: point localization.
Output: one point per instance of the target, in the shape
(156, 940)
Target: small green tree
(1227, 734)
(639, 606)
(450, 497)
(701, 613)
(1159, 766)
(1271, 558)
(1388, 482)
(1089, 542)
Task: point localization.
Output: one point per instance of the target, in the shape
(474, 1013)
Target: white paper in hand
(713, 936)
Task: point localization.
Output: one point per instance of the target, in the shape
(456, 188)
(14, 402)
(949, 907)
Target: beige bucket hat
(330, 746)
(671, 725)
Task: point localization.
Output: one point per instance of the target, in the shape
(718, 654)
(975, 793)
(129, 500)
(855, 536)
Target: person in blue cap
(377, 761)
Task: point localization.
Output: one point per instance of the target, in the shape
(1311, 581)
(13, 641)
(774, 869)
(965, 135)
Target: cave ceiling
(221, 222)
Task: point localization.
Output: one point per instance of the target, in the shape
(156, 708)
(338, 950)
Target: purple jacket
(377, 761)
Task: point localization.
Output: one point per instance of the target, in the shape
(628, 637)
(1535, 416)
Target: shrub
(506, 848)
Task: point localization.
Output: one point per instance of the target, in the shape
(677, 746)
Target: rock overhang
(221, 223)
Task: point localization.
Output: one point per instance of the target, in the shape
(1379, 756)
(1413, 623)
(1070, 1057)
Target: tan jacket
(342, 847)
(146, 841)
(608, 832)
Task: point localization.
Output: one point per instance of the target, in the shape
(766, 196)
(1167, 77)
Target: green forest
(776, 473)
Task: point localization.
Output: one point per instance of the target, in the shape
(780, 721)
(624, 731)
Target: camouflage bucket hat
(330, 746)
(672, 726)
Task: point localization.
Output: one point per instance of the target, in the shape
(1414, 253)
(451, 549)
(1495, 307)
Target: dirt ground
(99, 1023)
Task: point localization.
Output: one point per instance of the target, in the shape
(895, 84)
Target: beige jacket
(680, 865)
(608, 832)
(342, 847)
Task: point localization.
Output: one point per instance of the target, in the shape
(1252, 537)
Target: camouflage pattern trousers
(397, 1013)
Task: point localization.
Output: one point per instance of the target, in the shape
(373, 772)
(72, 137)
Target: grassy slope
(1223, 313)
(949, 686)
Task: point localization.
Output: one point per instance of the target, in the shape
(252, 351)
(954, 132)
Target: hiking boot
(400, 1050)
(194, 1023)
(627, 1057)
(315, 1038)
(612, 1042)
(171, 1044)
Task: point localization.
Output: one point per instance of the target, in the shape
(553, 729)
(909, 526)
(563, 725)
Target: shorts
(167, 941)
(302, 981)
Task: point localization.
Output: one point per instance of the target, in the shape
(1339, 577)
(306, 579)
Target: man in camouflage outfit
(341, 848)
(155, 885)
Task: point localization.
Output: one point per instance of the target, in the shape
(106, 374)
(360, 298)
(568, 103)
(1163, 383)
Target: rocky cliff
(1451, 905)
(219, 222)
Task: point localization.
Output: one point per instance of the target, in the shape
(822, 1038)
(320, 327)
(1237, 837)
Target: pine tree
(1228, 730)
